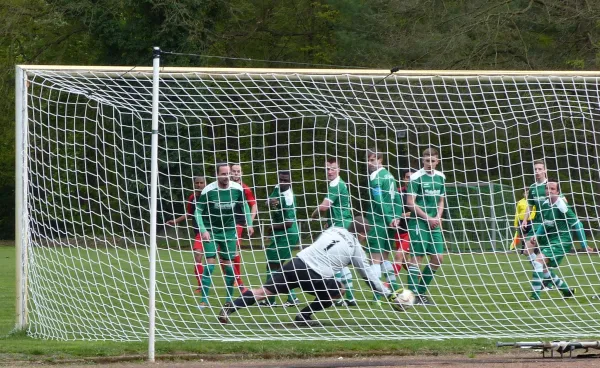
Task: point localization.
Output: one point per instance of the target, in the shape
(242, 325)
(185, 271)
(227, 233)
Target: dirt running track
(514, 358)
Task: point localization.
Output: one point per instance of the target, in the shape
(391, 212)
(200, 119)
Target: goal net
(84, 145)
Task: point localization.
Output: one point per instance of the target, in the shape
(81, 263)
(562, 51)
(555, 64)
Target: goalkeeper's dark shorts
(296, 274)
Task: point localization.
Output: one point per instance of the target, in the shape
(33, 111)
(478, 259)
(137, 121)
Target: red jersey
(240, 219)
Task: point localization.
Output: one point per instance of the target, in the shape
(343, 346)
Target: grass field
(106, 302)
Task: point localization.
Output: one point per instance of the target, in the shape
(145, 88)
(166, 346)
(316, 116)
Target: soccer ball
(405, 298)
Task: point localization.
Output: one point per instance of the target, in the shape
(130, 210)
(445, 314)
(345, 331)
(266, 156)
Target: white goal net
(85, 149)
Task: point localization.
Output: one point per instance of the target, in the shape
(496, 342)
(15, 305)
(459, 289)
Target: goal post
(96, 264)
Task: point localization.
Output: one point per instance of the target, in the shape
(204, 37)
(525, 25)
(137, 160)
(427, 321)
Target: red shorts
(402, 242)
(198, 243)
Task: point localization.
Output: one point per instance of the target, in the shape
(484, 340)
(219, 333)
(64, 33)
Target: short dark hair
(284, 172)
(554, 180)
(359, 225)
(409, 170)
(373, 152)
(332, 160)
(199, 177)
(220, 165)
(540, 162)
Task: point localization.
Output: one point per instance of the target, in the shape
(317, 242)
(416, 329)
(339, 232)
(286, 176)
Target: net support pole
(153, 200)
(21, 185)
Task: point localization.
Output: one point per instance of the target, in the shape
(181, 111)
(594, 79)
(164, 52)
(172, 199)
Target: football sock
(560, 284)
(413, 279)
(207, 281)
(388, 271)
(347, 282)
(237, 269)
(198, 270)
(426, 279)
(229, 280)
(538, 276)
(397, 268)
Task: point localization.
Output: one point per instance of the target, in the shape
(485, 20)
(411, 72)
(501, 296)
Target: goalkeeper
(313, 270)
(553, 236)
(520, 233)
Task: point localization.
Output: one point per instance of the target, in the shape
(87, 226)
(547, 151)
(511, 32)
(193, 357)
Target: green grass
(481, 295)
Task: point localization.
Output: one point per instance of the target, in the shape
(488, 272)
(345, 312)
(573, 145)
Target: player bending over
(313, 270)
(553, 236)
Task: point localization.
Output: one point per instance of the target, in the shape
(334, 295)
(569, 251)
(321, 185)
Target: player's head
(199, 183)
(360, 227)
(539, 168)
(285, 180)
(236, 173)
(431, 158)
(406, 175)
(333, 168)
(374, 159)
(552, 189)
(223, 174)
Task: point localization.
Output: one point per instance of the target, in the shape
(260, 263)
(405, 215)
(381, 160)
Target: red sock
(199, 271)
(237, 268)
(397, 268)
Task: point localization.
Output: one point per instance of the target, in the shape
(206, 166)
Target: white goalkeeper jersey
(335, 249)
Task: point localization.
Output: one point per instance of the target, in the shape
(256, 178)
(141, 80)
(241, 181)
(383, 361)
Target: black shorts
(296, 273)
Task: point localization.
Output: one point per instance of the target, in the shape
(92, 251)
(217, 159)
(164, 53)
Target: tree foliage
(412, 34)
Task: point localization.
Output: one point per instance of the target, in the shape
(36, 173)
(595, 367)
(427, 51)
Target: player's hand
(395, 223)
(533, 241)
(206, 236)
(274, 202)
(590, 250)
(523, 226)
(433, 222)
(250, 230)
(170, 222)
(406, 214)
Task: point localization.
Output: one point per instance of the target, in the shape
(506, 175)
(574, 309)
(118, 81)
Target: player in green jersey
(215, 216)
(284, 227)
(553, 237)
(384, 216)
(535, 197)
(339, 213)
(425, 197)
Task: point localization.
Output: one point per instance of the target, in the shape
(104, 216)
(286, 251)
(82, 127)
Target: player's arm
(577, 227)
(324, 206)
(200, 209)
(177, 220)
(361, 263)
(247, 214)
(251, 201)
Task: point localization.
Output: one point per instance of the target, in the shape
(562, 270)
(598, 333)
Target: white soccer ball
(405, 298)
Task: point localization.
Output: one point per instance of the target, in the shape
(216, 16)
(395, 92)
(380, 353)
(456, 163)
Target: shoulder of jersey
(440, 174)
(562, 205)
(416, 175)
(212, 186)
(235, 185)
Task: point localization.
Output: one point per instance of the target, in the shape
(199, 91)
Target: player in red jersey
(236, 176)
(199, 184)
(402, 238)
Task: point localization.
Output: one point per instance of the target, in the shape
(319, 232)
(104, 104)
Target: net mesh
(88, 171)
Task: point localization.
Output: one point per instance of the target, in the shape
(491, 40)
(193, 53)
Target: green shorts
(380, 239)
(226, 245)
(424, 240)
(555, 253)
(281, 246)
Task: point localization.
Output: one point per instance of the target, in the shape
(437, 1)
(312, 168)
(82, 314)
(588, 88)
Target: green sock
(426, 279)
(413, 279)
(207, 281)
(536, 284)
(291, 296)
(391, 278)
(560, 284)
(229, 281)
